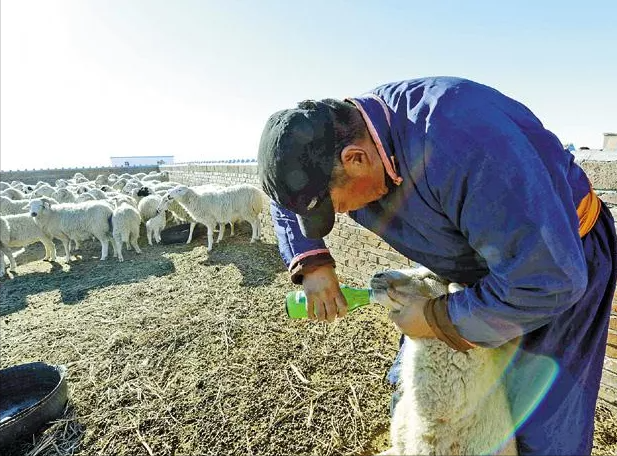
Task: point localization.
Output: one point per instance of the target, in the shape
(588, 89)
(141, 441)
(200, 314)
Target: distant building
(610, 141)
(140, 160)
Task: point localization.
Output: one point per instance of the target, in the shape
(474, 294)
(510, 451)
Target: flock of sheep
(113, 208)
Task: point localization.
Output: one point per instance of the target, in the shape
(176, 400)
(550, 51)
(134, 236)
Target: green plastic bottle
(356, 297)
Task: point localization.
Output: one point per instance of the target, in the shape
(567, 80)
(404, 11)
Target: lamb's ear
(26, 207)
(46, 204)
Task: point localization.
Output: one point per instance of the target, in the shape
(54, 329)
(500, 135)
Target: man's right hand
(323, 294)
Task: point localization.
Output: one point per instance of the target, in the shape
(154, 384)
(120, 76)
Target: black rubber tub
(179, 234)
(31, 395)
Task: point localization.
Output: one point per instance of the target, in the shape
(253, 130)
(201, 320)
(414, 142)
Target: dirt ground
(180, 352)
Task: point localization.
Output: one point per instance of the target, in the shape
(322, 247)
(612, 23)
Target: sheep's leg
(232, 228)
(50, 249)
(118, 244)
(113, 244)
(188, 241)
(9, 254)
(104, 246)
(157, 235)
(134, 238)
(149, 234)
(66, 242)
(2, 268)
(254, 232)
(210, 236)
(221, 232)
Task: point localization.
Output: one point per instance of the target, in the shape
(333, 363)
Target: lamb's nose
(33, 214)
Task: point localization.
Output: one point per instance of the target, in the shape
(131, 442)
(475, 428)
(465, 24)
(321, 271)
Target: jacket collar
(376, 115)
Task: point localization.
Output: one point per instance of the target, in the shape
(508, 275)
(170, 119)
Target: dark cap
(295, 161)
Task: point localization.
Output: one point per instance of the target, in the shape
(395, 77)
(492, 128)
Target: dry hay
(178, 352)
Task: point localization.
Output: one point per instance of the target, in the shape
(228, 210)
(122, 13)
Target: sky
(83, 80)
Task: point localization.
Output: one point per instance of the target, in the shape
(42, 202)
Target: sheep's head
(144, 191)
(176, 192)
(416, 281)
(164, 204)
(37, 206)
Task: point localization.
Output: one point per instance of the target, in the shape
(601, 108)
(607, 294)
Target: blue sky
(83, 80)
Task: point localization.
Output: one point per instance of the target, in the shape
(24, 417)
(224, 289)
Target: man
(467, 182)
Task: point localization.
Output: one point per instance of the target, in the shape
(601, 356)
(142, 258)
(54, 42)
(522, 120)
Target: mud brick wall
(360, 253)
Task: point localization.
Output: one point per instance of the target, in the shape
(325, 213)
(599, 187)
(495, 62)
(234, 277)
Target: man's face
(360, 189)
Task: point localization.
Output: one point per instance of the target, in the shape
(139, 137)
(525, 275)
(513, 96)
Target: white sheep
(42, 190)
(85, 197)
(155, 225)
(238, 202)
(162, 176)
(64, 195)
(4, 185)
(10, 207)
(21, 230)
(13, 194)
(125, 222)
(77, 221)
(180, 213)
(451, 402)
(148, 206)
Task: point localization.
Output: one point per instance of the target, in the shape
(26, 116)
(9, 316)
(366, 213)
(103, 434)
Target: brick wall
(360, 253)
(50, 175)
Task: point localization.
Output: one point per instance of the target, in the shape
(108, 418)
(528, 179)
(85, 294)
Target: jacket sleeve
(301, 255)
(493, 185)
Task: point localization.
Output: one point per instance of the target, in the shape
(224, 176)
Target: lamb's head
(164, 204)
(38, 206)
(176, 192)
(418, 281)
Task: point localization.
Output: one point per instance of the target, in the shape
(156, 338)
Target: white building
(140, 160)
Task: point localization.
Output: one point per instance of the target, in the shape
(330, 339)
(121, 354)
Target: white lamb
(238, 202)
(155, 225)
(20, 231)
(125, 222)
(162, 176)
(77, 221)
(451, 402)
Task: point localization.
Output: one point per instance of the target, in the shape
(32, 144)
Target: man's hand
(323, 294)
(409, 317)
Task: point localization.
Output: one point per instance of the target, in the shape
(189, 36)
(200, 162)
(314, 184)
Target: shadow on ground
(76, 280)
(259, 263)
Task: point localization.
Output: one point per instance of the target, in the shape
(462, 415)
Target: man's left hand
(410, 318)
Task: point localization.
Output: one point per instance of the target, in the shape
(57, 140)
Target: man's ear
(353, 154)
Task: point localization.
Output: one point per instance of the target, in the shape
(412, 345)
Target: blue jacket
(488, 197)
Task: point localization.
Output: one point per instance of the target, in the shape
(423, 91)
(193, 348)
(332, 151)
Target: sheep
(238, 202)
(23, 231)
(119, 184)
(155, 225)
(43, 190)
(181, 214)
(61, 183)
(451, 402)
(162, 176)
(10, 207)
(125, 223)
(13, 194)
(75, 221)
(64, 195)
(100, 180)
(4, 185)
(5, 237)
(85, 197)
(148, 206)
